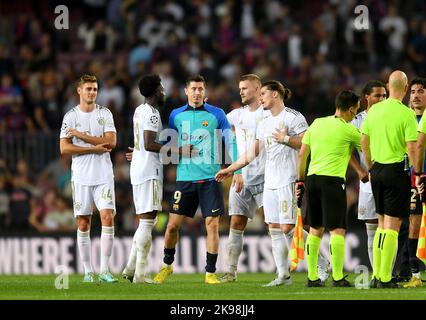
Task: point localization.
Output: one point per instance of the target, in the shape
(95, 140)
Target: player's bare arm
(421, 143)
(242, 161)
(362, 174)
(67, 147)
(365, 147)
(109, 137)
(302, 159)
(151, 145)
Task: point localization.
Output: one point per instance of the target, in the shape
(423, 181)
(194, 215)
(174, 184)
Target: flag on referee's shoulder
(297, 251)
(421, 245)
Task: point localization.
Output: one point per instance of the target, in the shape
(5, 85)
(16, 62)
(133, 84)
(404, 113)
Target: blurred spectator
(60, 217)
(4, 202)
(20, 206)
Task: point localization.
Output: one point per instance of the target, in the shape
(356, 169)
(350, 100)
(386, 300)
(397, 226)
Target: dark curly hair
(149, 84)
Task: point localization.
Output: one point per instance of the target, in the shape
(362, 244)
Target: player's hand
(102, 148)
(71, 133)
(299, 191)
(420, 184)
(363, 176)
(129, 155)
(189, 151)
(280, 134)
(238, 182)
(222, 175)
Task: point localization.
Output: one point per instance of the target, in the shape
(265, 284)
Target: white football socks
(143, 245)
(84, 248)
(371, 231)
(234, 248)
(107, 240)
(280, 251)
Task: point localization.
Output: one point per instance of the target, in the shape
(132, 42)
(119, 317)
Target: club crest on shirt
(205, 123)
(101, 121)
(175, 207)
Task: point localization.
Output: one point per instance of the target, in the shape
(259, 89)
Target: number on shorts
(413, 195)
(177, 196)
(284, 206)
(106, 196)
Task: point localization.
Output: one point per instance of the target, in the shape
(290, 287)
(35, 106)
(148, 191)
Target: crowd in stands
(311, 46)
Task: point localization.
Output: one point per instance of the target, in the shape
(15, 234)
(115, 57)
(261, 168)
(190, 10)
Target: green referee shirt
(331, 140)
(389, 124)
(422, 124)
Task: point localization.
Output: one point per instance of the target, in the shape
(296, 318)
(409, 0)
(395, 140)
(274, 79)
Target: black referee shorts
(391, 189)
(326, 202)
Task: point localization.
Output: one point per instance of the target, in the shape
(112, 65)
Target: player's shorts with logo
(102, 195)
(189, 194)
(279, 205)
(246, 201)
(366, 206)
(391, 189)
(148, 196)
(326, 201)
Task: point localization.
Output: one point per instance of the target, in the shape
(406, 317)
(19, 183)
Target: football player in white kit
(374, 91)
(146, 175)
(280, 135)
(88, 134)
(246, 193)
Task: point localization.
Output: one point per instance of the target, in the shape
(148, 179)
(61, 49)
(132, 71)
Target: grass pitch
(192, 287)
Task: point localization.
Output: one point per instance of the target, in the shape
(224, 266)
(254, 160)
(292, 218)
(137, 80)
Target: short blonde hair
(86, 78)
(251, 77)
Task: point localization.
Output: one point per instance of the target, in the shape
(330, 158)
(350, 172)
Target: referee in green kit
(389, 132)
(330, 141)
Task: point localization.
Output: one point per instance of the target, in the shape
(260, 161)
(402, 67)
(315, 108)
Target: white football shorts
(246, 201)
(148, 196)
(102, 195)
(280, 205)
(366, 206)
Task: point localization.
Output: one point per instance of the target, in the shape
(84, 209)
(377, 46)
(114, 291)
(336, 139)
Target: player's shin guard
(390, 240)
(84, 248)
(280, 252)
(371, 232)
(107, 240)
(377, 253)
(312, 250)
(143, 245)
(234, 248)
(131, 262)
(337, 254)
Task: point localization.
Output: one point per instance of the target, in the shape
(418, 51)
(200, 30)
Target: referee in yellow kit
(389, 132)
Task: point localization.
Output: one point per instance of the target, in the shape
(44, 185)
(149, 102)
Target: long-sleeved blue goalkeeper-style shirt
(203, 127)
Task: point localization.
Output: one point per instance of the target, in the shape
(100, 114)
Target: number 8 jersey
(145, 165)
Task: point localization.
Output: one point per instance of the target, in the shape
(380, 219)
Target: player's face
(266, 98)
(195, 92)
(249, 91)
(377, 94)
(161, 96)
(418, 97)
(88, 92)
